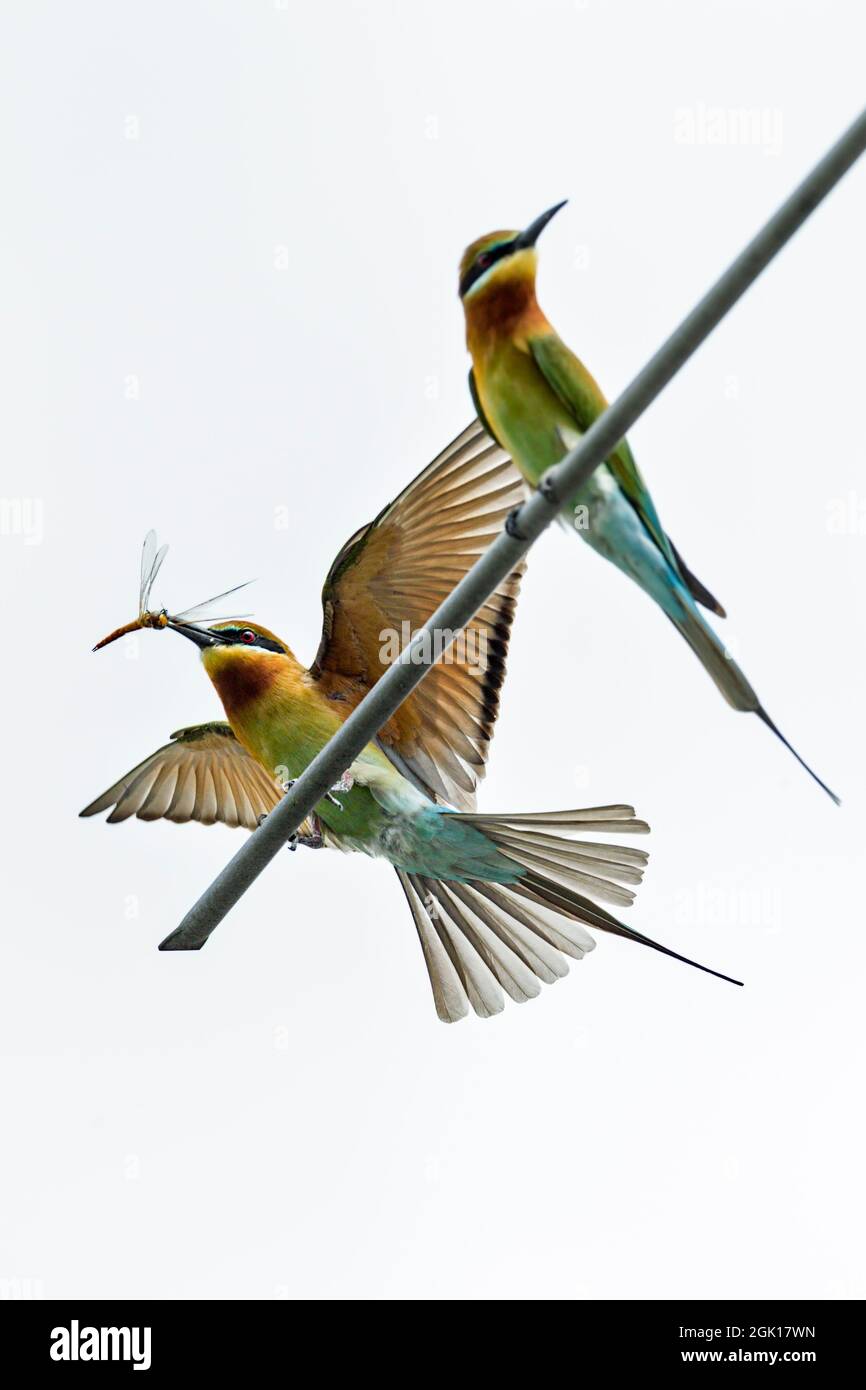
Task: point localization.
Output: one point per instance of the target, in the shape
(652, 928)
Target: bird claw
(314, 841)
(294, 839)
(512, 527)
(548, 490)
(311, 841)
(345, 784)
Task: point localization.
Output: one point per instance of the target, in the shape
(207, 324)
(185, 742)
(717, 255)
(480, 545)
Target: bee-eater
(536, 399)
(497, 900)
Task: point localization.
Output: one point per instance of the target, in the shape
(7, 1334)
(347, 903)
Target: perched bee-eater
(497, 900)
(536, 399)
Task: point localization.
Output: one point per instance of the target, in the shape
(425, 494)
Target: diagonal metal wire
(499, 559)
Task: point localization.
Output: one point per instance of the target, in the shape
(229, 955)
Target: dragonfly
(191, 621)
(152, 556)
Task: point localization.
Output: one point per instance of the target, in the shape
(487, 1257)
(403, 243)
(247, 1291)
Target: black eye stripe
(235, 636)
(483, 261)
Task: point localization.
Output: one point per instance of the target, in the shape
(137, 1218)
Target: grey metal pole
(558, 485)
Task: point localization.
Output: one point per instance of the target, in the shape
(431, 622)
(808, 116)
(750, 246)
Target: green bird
(498, 901)
(536, 399)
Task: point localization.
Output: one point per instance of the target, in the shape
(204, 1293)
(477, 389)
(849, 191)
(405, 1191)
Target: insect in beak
(152, 556)
(154, 620)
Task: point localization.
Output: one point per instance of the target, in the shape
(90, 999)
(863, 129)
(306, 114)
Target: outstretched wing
(387, 581)
(203, 774)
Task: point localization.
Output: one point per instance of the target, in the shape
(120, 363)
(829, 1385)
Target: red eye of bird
(483, 259)
(248, 636)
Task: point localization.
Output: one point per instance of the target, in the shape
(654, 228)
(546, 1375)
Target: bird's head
(235, 638)
(244, 660)
(501, 259)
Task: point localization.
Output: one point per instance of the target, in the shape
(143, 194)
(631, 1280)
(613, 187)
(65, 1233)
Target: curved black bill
(198, 635)
(530, 236)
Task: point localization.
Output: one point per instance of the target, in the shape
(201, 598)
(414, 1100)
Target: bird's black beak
(530, 236)
(200, 636)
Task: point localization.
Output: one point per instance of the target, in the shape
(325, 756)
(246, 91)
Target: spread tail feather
(482, 941)
(730, 680)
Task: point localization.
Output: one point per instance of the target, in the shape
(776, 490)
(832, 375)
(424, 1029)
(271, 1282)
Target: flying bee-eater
(536, 399)
(498, 901)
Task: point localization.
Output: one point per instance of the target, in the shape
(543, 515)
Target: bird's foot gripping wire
(512, 525)
(547, 488)
(316, 839)
(345, 784)
(313, 841)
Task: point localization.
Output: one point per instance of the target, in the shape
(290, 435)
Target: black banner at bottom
(156, 1339)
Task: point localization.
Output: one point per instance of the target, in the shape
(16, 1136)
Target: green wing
(476, 401)
(580, 395)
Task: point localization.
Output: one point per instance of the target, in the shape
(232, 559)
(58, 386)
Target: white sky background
(282, 1114)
